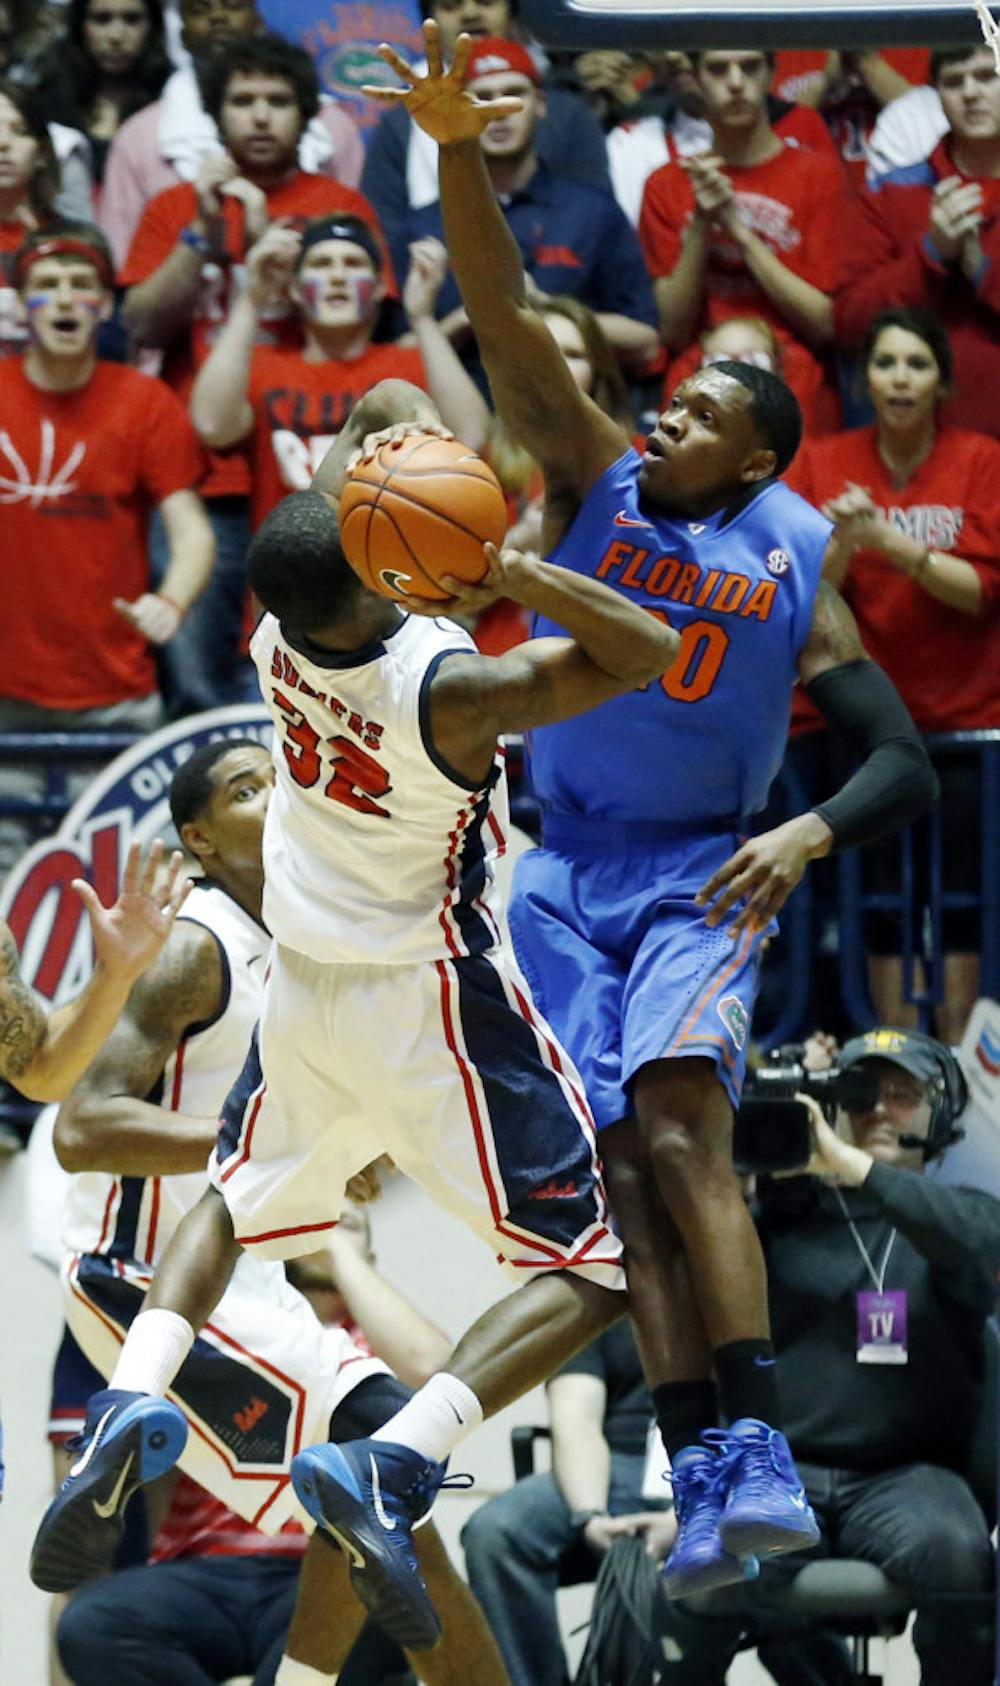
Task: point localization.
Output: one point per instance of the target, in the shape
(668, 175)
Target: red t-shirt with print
(945, 664)
(79, 474)
(794, 203)
(300, 406)
(302, 197)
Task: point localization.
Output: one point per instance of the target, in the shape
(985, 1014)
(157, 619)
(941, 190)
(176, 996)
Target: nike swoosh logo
(764, 1363)
(388, 1522)
(110, 1505)
(623, 520)
(393, 580)
(78, 1468)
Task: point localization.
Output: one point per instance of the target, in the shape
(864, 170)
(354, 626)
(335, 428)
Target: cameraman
(881, 1281)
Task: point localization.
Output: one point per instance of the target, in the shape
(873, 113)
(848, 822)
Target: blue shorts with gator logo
(622, 962)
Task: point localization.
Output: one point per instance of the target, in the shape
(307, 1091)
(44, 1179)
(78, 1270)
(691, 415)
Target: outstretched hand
(130, 934)
(439, 102)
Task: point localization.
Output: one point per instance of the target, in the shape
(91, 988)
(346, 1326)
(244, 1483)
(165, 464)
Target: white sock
(291, 1673)
(155, 1348)
(435, 1419)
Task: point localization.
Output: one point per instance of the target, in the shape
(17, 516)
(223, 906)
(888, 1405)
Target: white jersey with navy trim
(375, 851)
(134, 1217)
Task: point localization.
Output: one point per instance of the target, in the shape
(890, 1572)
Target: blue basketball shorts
(625, 967)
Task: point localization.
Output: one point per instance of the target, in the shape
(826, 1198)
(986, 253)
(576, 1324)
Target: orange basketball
(419, 510)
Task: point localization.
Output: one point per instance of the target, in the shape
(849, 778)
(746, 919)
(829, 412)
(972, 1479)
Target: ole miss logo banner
(126, 802)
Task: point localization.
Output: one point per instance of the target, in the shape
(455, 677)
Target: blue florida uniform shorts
(620, 959)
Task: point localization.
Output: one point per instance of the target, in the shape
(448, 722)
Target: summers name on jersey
(134, 1217)
(375, 850)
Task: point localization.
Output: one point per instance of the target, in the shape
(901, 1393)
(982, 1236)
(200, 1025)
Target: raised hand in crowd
(712, 188)
(219, 177)
(956, 218)
(270, 264)
(425, 278)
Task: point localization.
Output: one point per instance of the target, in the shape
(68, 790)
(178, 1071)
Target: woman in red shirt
(916, 552)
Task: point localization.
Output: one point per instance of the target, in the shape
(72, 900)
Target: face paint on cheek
(362, 290)
(312, 292)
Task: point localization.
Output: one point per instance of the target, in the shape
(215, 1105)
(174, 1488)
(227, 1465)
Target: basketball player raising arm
(44, 1051)
(575, 443)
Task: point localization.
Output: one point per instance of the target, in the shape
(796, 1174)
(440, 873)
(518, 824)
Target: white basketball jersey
(375, 851)
(134, 1217)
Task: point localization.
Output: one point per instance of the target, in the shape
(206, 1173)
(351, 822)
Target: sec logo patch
(778, 561)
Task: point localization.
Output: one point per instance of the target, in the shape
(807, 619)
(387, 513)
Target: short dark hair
(773, 408)
(296, 564)
(941, 57)
(75, 234)
(921, 323)
(260, 55)
(696, 53)
(192, 786)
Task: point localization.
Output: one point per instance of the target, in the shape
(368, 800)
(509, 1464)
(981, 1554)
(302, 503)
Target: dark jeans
(192, 1622)
(519, 1547)
(198, 1621)
(920, 1524)
(204, 666)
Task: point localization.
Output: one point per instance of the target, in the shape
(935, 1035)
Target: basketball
(419, 510)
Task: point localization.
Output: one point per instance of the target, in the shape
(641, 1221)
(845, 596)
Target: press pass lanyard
(881, 1337)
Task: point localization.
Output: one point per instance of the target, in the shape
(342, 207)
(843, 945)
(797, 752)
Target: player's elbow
(651, 655)
(74, 1144)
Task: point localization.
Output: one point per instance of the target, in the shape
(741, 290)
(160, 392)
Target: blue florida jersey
(703, 743)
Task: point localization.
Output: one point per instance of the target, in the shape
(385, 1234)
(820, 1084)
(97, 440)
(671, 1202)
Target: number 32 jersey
(703, 743)
(375, 851)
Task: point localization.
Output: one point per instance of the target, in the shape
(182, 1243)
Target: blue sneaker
(368, 1495)
(766, 1509)
(128, 1438)
(698, 1561)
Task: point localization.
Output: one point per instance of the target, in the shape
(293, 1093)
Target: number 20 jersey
(375, 851)
(703, 743)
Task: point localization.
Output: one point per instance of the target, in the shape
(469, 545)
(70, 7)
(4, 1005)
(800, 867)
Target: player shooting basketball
(640, 920)
(391, 1022)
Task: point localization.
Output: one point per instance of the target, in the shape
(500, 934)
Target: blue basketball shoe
(766, 1509)
(128, 1439)
(698, 1560)
(369, 1495)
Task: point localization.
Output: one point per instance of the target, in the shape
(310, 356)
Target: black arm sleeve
(895, 782)
(956, 1229)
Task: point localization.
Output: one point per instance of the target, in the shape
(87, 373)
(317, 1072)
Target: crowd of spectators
(205, 266)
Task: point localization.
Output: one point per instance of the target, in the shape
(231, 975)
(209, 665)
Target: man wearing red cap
(88, 449)
(574, 239)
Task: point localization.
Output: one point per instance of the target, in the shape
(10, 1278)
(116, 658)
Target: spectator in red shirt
(288, 403)
(167, 142)
(675, 126)
(928, 236)
(88, 449)
(186, 256)
(750, 229)
(916, 553)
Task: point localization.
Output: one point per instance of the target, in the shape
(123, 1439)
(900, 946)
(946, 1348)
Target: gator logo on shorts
(126, 802)
(735, 1018)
